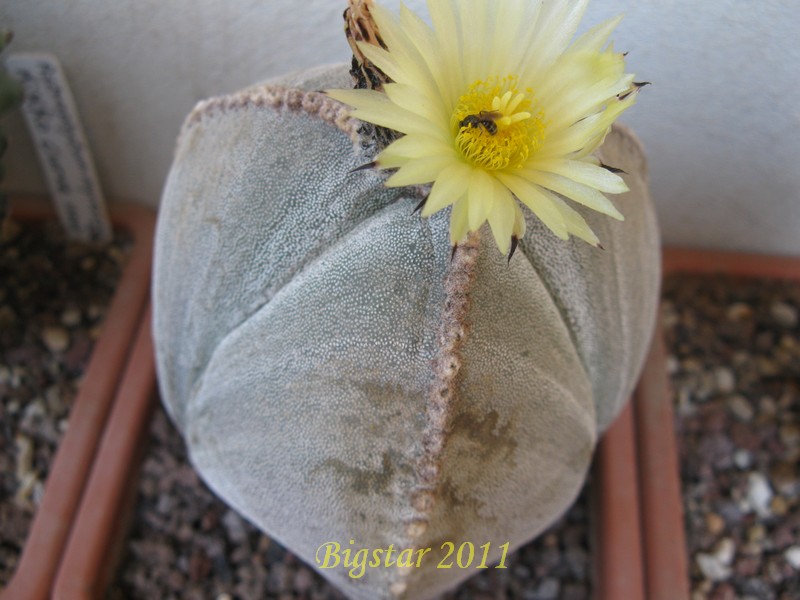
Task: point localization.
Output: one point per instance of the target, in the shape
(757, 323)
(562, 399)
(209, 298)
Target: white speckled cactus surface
(338, 377)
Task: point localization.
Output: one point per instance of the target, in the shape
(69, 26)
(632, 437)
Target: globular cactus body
(337, 376)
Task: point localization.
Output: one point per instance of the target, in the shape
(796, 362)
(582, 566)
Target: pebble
(672, 365)
(55, 338)
(54, 401)
(165, 504)
(716, 566)
(739, 311)
(784, 314)
(756, 589)
(79, 351)
(71, 317)
(785, 479)
(24, 462)
(723, 591)
(7, 317)
(790, 435)
(779, 506)
(792, 556)
(717, 448)
(26, 490)
(725, 380)
(88, 264)
(303, 580)
(715, 524)
(234, 526)
(759, 494)
(756, 534)
(741, 408)
(742, 459)
(669, 314)
(748, 566)
(95, 311)
(548, 589)
(33, 411)
(686, 408)
(701, 591)
(767, 407)
(521, 571)
(767, 367)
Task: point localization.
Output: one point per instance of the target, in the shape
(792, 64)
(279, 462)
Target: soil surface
(735, 368)
(53, 297)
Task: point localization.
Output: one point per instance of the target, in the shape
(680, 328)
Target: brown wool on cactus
(360, 27)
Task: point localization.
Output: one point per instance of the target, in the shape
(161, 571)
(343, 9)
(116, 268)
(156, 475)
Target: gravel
(735, 367)
(52, 302)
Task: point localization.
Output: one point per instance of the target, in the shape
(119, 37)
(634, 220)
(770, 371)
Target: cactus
(338, 376)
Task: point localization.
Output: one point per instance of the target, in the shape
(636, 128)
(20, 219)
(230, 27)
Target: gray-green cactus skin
(337, 376)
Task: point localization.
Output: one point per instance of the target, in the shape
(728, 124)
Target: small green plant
(10, 98)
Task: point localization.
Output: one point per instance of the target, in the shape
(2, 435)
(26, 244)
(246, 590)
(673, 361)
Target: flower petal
(582, 194)
(534, 198)
(583, 172)
(512, 34)
(382, 59)
(555, 26)
(519, 222)
(603, 126)
(424, 38)
(417, 146)
(578, 85)
(401, 48)
(376, 107)
(502, 220)
(575, 223)
(416, 100)
(459, 221)
(594, 39)
(474, 34)
(570, 140)
(449, 187)
(480, 195)
(419, 170)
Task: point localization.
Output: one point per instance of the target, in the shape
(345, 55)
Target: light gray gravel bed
(53, 297)
(735, 367)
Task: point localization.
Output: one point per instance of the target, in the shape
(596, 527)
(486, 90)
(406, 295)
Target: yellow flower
(498, 108)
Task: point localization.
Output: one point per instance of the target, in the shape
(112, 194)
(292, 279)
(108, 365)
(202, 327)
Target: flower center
(496, 126)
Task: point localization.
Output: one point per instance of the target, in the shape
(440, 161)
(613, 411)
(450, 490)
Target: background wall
(721, 123)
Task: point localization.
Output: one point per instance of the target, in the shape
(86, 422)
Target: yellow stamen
(496, 126)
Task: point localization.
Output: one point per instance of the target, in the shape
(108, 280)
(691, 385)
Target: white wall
(721, 122)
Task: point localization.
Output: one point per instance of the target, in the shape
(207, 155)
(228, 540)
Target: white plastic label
(53, 122)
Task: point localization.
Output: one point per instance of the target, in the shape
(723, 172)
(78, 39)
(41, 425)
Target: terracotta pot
(97, 397)
(98, 529)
